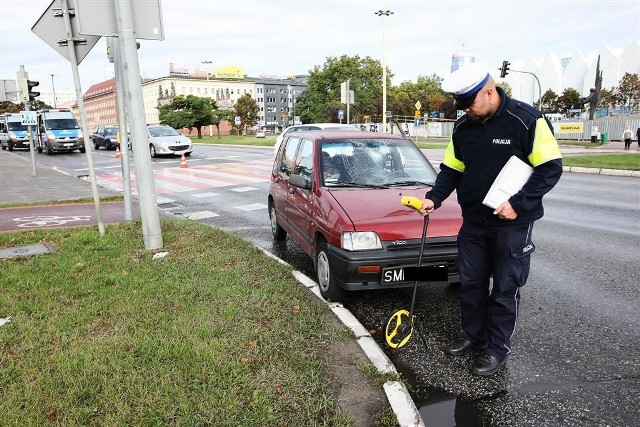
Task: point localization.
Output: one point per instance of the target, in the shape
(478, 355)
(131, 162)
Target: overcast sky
(280, 38)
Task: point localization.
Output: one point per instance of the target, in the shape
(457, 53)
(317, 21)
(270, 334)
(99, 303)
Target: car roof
(324, 126)
(351, 134)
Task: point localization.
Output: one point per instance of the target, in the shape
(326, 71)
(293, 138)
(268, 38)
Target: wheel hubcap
(323, 271)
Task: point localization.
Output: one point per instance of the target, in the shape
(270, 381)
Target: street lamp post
(384, 14)
(53, 87)
(210, 94)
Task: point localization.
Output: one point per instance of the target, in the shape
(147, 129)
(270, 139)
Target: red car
(337, 193)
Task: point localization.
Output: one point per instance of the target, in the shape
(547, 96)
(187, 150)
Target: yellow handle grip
(412, 202)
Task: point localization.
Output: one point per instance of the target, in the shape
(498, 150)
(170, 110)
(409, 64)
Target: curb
(596, 171)
(401, 402)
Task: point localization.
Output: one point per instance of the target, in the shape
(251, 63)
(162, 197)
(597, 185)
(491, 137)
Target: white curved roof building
(576, 71)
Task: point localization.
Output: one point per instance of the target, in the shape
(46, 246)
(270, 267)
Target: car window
(290, 148)
(163, 131)
(110, 131)
(304, 160)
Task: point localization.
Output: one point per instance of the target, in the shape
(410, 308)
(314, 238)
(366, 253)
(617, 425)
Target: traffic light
(32, 94)
(504, 69)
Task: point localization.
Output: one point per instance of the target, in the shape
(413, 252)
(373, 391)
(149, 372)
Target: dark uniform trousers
(489, 312)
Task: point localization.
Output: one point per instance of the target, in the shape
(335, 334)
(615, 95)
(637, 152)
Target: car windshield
(17, 126)
(374, 163)
(163, 131)
(62, 124)
(110, 131)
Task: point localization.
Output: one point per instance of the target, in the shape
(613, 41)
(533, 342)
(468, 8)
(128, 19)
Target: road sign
(388, 114)
(237, 120)
(98, 18)
(29, 118)
(340, 114)
(418, 105)
(50, 28)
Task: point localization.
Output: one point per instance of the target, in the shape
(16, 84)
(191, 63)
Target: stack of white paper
(509, 181)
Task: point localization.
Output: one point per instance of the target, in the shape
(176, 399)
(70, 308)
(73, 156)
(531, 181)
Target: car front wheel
(152, 150)
(278, 232)
(329, 289)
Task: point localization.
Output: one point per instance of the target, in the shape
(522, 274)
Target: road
(575, 351)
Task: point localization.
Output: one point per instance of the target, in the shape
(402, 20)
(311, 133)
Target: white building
(576, 71)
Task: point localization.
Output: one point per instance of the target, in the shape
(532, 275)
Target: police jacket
(478, 150)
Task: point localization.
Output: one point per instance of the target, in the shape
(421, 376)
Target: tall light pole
(53, 87)
(384, 14)
(207, 62)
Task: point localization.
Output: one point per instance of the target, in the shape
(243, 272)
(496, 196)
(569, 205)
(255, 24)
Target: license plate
(393, 275)
(68, 144)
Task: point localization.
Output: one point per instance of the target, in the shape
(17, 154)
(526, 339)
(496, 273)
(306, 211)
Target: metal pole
(208, 89)
(152, 234)
(83, 116)
(122, 127)
(348, 99)
(25, 97)
(53, 87)
(384, 14)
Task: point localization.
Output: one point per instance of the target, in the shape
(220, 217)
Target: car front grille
(178, 147)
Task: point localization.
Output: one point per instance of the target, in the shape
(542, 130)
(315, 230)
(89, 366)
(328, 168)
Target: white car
(165, 140)
(311, 126)
(261, 134)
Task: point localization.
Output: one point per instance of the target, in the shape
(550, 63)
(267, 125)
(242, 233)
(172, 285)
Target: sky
(288, 37)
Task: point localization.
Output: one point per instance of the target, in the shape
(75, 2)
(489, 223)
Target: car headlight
(360, 241)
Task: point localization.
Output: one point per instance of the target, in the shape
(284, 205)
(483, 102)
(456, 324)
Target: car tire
(152, 151)
(96, 145)
(10, 146)
(82, 150)
(49, 150)
(329, 288)
(278, 232)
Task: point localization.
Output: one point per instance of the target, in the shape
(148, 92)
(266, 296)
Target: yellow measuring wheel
(400, 325)
(399, 329)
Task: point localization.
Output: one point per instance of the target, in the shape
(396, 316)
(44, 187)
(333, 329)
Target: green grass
(215, 333)
(604, 161)
(251, 140)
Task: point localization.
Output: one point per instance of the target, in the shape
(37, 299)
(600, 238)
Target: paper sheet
(509, 181)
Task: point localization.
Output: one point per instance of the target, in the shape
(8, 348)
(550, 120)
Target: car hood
(380, 210)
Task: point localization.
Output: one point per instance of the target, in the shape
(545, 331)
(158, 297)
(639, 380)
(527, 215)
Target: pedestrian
(627, 135)
(638, 136)
(492, 243)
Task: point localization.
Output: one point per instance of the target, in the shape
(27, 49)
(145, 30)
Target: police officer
(492, 243)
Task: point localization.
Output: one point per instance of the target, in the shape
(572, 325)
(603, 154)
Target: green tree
(220, 115)
(608, 98)
(506, 87)
(629, 91)
(402, 99)
(188, 112)
(247, 108)
(320, 101)
(549, 102)
(9, 107)
(570, 98)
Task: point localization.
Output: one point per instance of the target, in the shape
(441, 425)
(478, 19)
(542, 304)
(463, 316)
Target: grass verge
(604, 161)
(214, 333)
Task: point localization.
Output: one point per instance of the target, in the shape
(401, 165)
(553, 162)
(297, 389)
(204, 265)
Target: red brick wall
(225, 127)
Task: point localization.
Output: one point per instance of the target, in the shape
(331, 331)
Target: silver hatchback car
(165, 140)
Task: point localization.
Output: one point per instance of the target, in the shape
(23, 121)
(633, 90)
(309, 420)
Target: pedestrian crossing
(200, 179)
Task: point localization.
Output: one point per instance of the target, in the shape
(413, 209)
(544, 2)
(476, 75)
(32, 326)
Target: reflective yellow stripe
(450, 158)
(545, 146)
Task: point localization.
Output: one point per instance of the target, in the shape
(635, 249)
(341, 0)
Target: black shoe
(487, 365)
(462, 347)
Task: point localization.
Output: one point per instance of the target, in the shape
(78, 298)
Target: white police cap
(465, 83)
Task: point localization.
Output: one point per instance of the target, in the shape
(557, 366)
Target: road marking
(49, 220)
(252, 207)
(203, 195)
(243, 189)
(201, 215)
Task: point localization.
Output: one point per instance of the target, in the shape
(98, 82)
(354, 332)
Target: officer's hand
(505, 211)
(427, 207)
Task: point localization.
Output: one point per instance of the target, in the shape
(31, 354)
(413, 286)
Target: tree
(320, 101)
(570, 98)
(247, 108)
(506, 87)
(629, 91)
(9, 107)
(188, 112)
(608, 98)
(427, 90)
(219, 115)
(550, 102)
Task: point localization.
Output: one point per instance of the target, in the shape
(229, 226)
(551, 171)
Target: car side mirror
(300, 181)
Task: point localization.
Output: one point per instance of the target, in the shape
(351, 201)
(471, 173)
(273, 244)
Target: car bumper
(438, 264)
(180, 149)
(67, 145)
(17, 143)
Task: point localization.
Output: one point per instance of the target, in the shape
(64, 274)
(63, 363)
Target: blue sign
(340, 114)
(417, 122)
